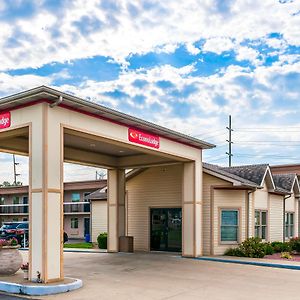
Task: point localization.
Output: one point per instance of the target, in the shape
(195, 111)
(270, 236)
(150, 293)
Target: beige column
(116, 208)
(45, 215)
(192, 209)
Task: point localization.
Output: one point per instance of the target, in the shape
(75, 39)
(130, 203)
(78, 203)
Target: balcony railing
(69, 208)
(77, 207)
(11, 209)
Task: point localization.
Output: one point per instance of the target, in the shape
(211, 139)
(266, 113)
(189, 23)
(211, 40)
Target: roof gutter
(57, 102)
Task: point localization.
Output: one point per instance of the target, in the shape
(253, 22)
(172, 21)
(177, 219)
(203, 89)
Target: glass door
(166, 229)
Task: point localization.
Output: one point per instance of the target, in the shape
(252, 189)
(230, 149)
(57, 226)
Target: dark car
(20, 231)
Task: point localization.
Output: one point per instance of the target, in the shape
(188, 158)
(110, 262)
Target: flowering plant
(11, 242)
(25, 267)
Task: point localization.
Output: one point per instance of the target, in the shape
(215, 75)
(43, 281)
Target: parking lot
(167, 276)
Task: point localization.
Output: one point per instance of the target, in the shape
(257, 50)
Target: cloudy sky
(185, 65)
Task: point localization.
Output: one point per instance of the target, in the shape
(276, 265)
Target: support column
(192, 209)
(116, 208)
(46, 196)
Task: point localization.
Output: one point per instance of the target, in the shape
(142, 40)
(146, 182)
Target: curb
(73, 250)
(34, 290)
(252, 263)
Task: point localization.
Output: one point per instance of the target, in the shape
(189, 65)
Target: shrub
(269, 250)
(295, 244)
(234, 252)
(286, 255)
(281, 247)
(253, 247)
(102, 240)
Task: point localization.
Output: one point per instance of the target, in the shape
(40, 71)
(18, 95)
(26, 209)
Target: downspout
(248, 212)
(57, 102)
(284, 198)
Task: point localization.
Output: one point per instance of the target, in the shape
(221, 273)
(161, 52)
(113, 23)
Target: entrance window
(74, 223)
(166, 229)
(289, 225)
(229, 225)
(261, 224)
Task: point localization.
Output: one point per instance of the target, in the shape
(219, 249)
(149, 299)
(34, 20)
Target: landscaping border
(40, 290)
(247, 262)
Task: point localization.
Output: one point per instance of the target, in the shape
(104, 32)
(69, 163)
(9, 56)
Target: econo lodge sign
(142, 138)
(4, 120)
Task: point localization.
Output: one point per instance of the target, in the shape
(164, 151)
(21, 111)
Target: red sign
(143, 138)
(5, 120)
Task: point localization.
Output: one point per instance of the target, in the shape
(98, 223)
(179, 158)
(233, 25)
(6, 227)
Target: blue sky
(186, 66)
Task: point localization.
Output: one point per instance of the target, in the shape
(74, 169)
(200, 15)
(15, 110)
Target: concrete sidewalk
(166, 276)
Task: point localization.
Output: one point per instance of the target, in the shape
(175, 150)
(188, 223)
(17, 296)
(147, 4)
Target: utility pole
(229, 153)
(15, 170)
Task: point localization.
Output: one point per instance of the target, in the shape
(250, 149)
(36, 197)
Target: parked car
(20, 231)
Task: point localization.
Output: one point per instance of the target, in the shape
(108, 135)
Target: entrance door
(86, 226)
(166, 229)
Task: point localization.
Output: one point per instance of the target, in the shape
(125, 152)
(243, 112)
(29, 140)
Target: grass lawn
(79, 245)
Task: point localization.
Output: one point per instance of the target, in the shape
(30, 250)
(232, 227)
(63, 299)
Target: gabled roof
(253, 173)
(223, 174)
(286, 182)
(47, 94)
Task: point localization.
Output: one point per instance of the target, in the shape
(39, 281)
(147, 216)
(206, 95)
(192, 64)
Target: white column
(192, 209)
(116, 208)
(46, 194)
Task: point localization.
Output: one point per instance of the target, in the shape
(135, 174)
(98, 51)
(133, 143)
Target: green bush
(233, 252)
(281, 247)
(269, 250)
(253, 247)
(295, 244)
(102, 240)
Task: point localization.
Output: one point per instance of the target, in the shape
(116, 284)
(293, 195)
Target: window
(74, 223)
(261, 224)
(2, 199)
(16, 200)
(75, 197)
(229, 225)
(289, 225)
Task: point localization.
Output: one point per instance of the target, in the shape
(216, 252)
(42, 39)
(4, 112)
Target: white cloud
(218, 45)
(135, 28)
(246, 53)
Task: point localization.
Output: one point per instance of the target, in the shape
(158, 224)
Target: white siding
(275, 227)
(261, 198)
(235, 199)
(208, 182)
(155, 187)
(99, 218)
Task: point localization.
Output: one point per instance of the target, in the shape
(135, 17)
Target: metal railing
(77, 207)
(69, 207)
(11, 209)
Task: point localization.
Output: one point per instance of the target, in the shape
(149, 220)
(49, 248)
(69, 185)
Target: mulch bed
(296, 257)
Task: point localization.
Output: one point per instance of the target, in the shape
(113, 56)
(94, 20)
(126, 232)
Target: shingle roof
(223, 171)
(253, 173)
(97, 195)
(284, 181)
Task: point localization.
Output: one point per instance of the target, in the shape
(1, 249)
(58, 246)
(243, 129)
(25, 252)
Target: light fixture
(93, 145)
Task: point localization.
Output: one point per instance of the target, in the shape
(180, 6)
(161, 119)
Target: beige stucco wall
(235, 199)
(275, 224)
(98, 218)
(155, 187)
